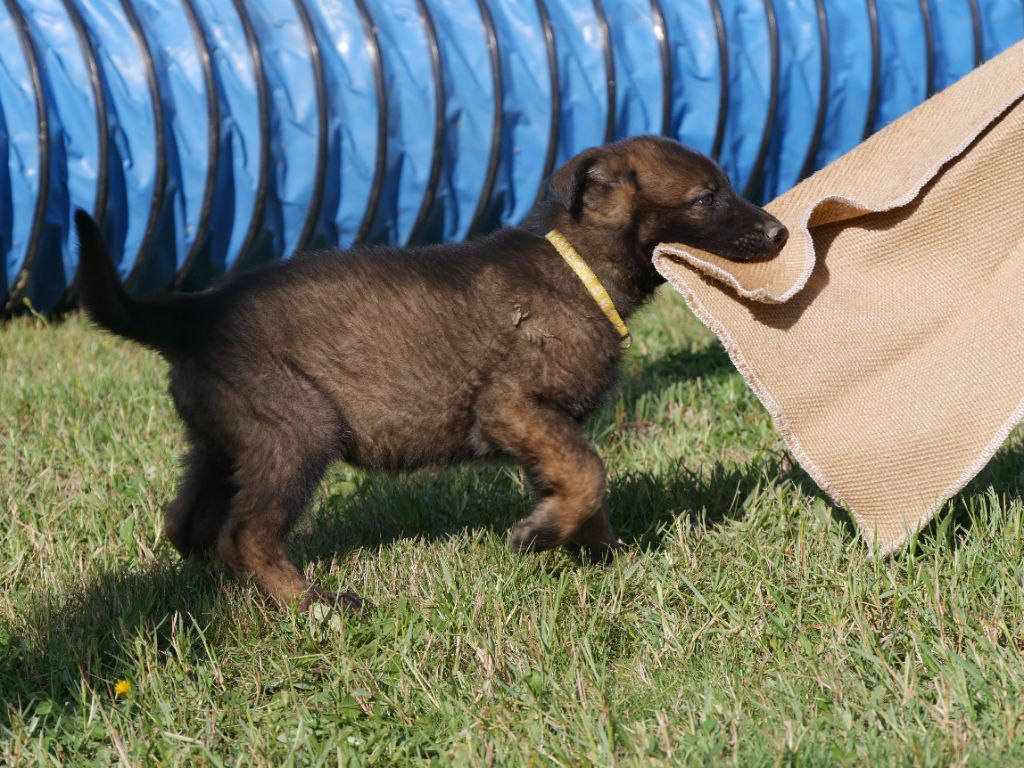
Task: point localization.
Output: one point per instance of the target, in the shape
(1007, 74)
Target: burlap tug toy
(887, 338)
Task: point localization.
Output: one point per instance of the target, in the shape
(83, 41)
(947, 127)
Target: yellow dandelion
(122, 688)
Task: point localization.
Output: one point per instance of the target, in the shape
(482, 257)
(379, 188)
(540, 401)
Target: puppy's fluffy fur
(392, 358)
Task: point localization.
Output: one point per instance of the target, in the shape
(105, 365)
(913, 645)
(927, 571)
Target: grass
(743, 625)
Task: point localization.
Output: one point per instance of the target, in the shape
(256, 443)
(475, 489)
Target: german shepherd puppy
(393, 359)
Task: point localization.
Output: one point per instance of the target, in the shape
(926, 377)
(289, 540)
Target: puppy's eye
(705, 201)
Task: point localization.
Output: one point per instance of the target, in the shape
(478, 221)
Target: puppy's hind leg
(275, 484)
(193, 520)
(567, 474)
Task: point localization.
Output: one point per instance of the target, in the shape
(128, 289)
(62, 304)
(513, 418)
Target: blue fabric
(411, 108)
(213, 139)
(697, 76)
(132, 158)
(43, 268)
(527, 112)
(293, 114)
(582, 76)
(1002, 24)
(904, 77)
(799, 97)
(241, 168)
(639, 79)
(953, 35)
(74, 133)
(468, 137)
(749, 87)
(353, 117)
(20, 153)
(191, 169)
(849, 87)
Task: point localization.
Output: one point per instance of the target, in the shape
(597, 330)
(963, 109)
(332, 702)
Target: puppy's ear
(569, 182)
(599, 181)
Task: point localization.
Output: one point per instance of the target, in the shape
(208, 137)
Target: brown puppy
(393, 359)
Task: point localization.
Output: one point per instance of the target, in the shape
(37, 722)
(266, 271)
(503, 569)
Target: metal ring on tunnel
(609, 68)
(661, 35)
(31, 55)
(160, 180)
(556, 97)
(929, 46)
(723, 68)
(320, 90)
(89, 53)
(977, 32)
(494, 154)
(373, 51)
(99, 205)
(876, 63)
(819, 119)
(773, 98)
(264, 149)
(434, 176)
(213, 143)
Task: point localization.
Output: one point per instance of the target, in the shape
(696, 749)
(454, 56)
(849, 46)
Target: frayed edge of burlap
(866, 529)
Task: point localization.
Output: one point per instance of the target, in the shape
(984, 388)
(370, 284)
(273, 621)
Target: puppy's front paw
(530, 535)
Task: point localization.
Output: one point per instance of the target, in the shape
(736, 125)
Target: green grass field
(744, 623)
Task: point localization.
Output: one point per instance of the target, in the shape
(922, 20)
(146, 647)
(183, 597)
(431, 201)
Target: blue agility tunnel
(209, 135)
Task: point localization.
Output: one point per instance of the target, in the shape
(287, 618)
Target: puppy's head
(653, 190)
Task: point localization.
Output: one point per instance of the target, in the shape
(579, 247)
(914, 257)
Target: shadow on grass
(59, 640)
(56, 642)
(679, 364)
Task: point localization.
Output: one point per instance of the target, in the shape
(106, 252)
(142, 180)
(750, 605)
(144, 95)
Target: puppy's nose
(775, 233)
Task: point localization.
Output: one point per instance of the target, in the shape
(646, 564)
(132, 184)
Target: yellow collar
(590, 280)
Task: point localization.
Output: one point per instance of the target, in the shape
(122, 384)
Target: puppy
(393, 359)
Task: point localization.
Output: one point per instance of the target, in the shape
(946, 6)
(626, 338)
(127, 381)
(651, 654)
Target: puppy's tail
(157, 323)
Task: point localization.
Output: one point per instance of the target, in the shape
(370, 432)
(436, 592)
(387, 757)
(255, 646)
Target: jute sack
(887, 338)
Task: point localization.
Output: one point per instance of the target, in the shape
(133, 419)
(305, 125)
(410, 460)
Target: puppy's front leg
(566, 473)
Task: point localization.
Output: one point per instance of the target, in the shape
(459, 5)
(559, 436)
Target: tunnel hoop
(929, 47)
(434, 177)
(723, 68)
(660, 30)
(819, 119)
(160, 177)
(556, 98)
(99, 204)
(978, 32)
(212, 143)
(320, 89)
(497, 117)
(609, 68)
(31, 56)
(379, 165)
(260, 78)
(876, 63)
(773, 97)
